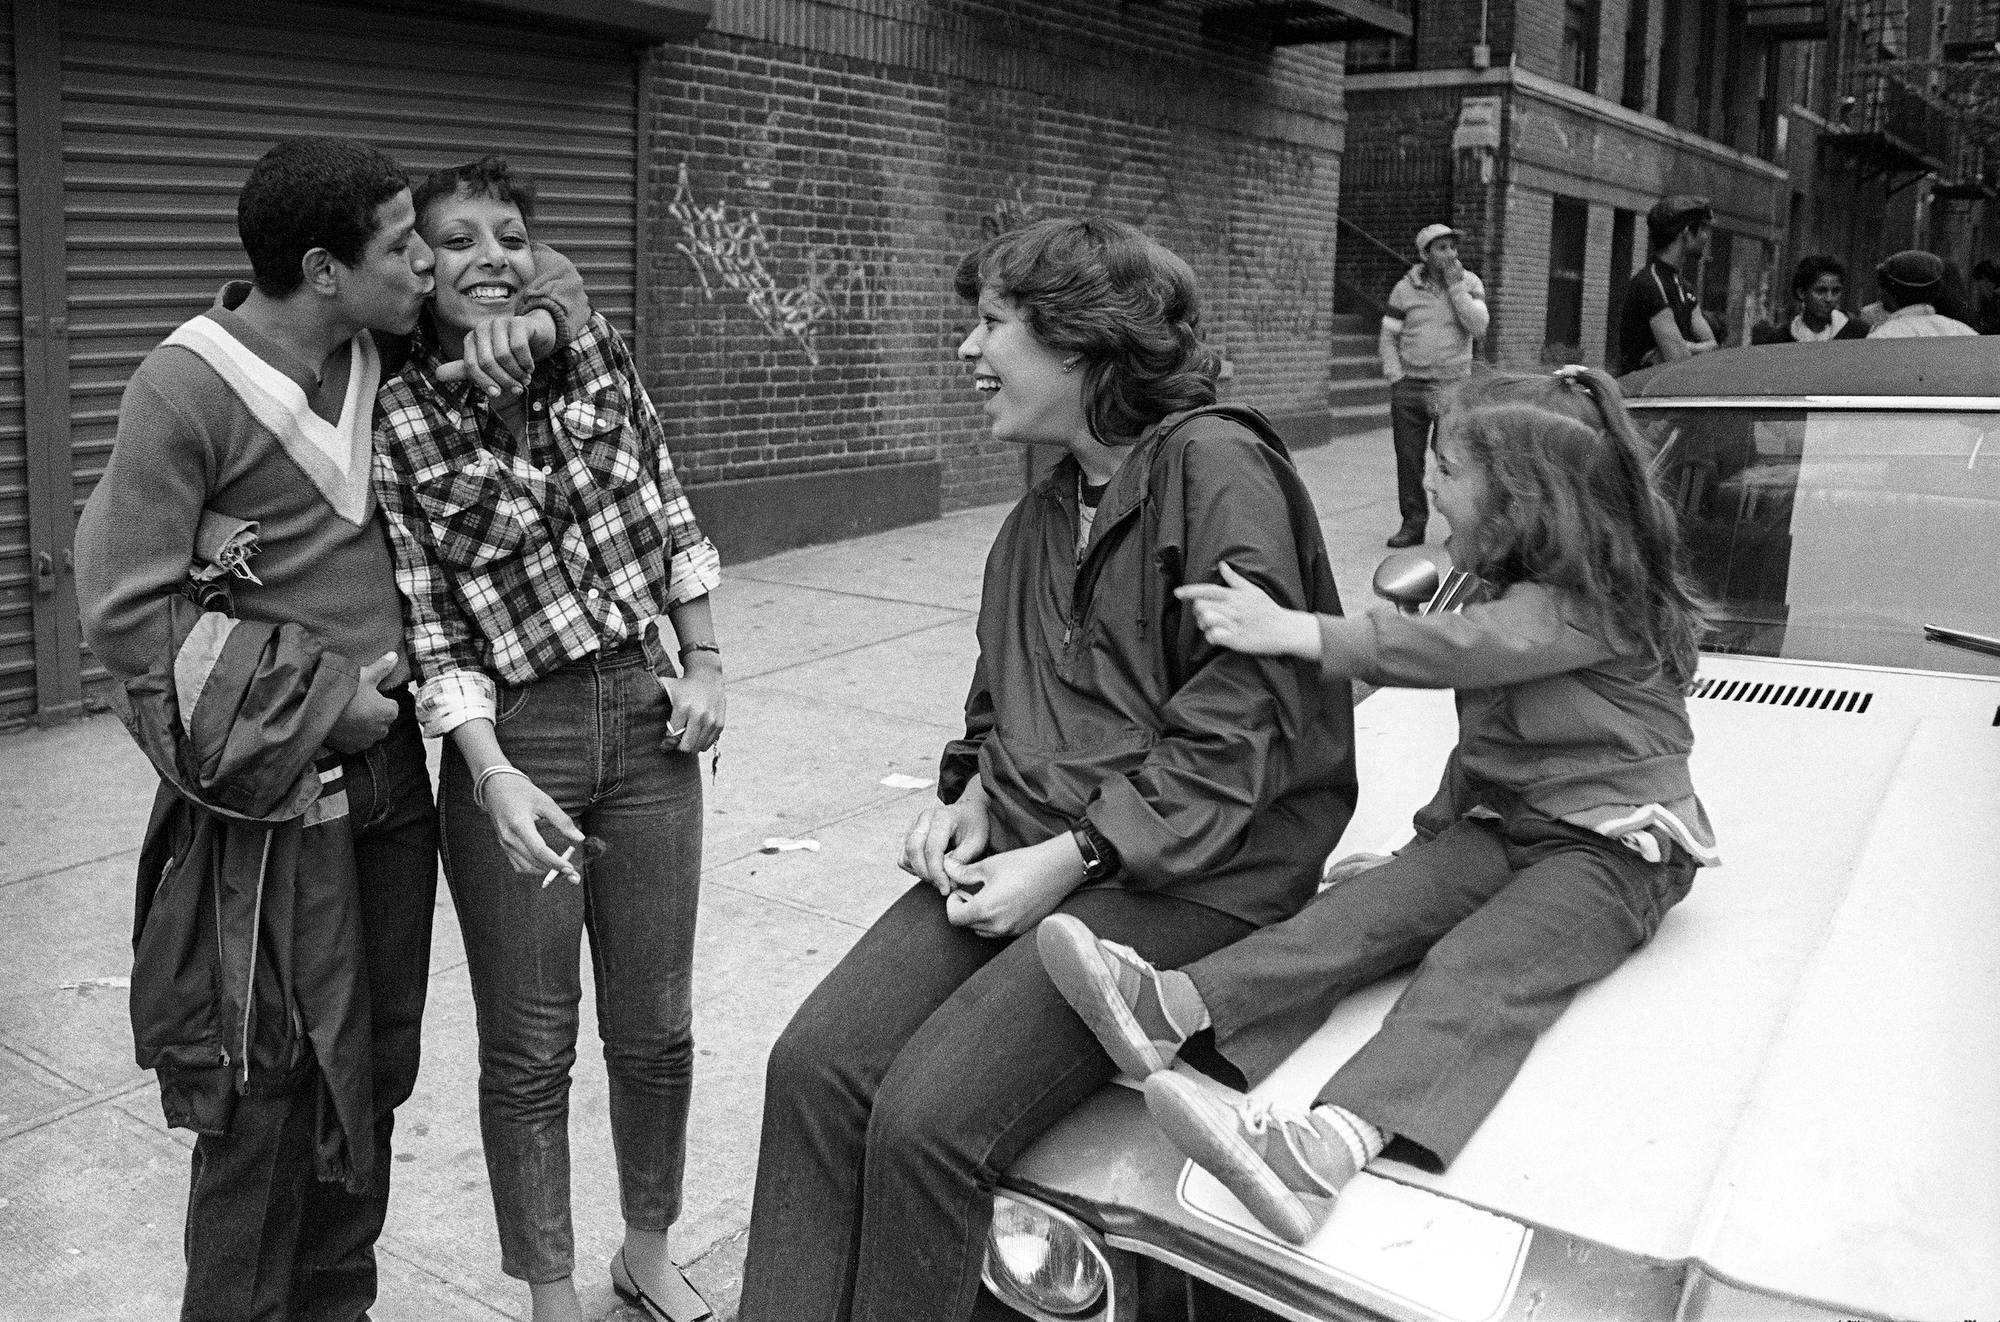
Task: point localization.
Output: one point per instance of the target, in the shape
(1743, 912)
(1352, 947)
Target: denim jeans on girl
(589, 735)
(1504, 920)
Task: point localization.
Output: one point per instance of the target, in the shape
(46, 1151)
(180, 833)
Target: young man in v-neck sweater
(259, 411)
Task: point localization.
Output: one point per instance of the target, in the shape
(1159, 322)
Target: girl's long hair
(1572, 504)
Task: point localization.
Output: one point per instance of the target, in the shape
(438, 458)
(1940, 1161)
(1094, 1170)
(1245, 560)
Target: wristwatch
(1100, 856)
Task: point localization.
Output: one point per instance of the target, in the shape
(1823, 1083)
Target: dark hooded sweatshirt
(1220, 778)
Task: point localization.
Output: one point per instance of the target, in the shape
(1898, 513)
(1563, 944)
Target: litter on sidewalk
(899, 781)
(784, 844)
(87, 984)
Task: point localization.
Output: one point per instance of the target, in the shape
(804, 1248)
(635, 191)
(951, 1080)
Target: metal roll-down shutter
(166, 107)
(17, 577)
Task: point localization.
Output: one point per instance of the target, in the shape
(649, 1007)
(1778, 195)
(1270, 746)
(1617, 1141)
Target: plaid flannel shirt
(513, 558)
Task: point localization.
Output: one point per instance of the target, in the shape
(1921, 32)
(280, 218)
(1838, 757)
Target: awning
(649, 22)
(1307, 22)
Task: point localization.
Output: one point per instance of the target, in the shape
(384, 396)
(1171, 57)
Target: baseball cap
(1912, 268)
(1430, 234)
(1671, 215)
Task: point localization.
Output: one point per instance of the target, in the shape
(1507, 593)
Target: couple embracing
(408, 456)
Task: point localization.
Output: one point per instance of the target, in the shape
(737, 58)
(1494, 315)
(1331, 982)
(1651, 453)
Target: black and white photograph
(975, 660)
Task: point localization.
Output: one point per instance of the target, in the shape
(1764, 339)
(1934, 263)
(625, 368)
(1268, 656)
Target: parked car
(1787, 1106)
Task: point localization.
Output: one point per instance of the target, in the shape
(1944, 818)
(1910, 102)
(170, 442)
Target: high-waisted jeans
(589, 735)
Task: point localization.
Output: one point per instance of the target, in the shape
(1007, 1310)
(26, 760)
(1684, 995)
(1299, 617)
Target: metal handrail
(1400, 258)
(1357, 292)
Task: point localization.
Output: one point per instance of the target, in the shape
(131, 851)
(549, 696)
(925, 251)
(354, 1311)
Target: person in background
(1435, 312)
(1912, 284)
(1818, 284)
(1662, 322)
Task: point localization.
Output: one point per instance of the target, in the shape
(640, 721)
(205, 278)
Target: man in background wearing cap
(1661, 322)
(1435, 313)
(1910, 283)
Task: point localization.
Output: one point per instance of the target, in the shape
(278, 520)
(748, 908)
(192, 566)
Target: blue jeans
(1504, 921)
(588, 734)
(264, 1239)
(905, 1086)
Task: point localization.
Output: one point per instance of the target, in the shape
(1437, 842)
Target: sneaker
(1103, 982)
(1274, 1159)
(1410, 534)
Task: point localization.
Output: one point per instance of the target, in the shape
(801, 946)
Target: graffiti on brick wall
(1010, 213)
(1287, 276)
(732, 253)
(1293, 271)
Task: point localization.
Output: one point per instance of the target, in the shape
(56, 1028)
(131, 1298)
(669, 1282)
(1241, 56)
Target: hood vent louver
(1851, 701)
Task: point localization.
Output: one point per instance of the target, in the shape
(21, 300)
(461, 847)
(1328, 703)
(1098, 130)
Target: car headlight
(1041, 1262)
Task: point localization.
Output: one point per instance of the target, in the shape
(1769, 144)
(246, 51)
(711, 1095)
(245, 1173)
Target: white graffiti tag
(734, 254)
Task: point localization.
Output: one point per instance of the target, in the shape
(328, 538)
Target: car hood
(1795, 1083)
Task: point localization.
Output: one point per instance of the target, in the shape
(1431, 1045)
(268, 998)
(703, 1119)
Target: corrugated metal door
(17, 578)
(166, 107)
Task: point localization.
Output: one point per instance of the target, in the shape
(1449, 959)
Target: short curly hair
(308, 193)
(1807, 273)
(1104, 289)
(489, 176)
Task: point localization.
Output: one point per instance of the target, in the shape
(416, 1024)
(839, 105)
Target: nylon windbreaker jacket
(246, 934)
(1220, 778)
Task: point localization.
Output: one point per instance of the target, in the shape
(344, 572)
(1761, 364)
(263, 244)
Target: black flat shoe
(1410, 534)
(682, 1304)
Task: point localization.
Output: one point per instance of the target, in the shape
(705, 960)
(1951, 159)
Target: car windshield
(1837, 535)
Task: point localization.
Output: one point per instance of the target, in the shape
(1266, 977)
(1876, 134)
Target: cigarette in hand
(591, 847)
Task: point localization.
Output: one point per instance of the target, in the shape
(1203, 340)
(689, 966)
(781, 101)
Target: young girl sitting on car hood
(1564, 830)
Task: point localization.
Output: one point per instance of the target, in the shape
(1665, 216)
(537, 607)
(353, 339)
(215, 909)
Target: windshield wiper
(1974, 642)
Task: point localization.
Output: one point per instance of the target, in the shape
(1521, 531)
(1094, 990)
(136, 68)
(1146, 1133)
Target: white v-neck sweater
(188, 443)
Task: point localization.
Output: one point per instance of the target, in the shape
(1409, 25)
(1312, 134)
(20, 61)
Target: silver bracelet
(497, 769)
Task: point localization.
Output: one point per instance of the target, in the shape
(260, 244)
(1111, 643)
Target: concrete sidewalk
(847, 663)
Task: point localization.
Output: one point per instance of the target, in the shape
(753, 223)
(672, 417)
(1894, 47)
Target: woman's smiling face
(1030, 399)
(483, 259)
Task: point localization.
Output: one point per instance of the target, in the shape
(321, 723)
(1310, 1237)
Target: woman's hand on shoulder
(1004, 895)
(700, 708)
(518, 806)
(1239, 615)
(944, 833)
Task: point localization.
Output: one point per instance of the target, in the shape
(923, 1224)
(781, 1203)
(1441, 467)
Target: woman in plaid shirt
(538, 537)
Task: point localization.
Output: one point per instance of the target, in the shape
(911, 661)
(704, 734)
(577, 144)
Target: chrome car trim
(1865, 403)
(1213, 1277)
(1751, 658)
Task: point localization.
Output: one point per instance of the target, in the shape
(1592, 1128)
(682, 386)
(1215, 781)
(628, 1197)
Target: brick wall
(817, 169)
(1597, 278)
(1538, 34)
(1397, 178)
(1518, 296)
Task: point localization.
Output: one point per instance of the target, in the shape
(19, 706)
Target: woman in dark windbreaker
(1115, 766)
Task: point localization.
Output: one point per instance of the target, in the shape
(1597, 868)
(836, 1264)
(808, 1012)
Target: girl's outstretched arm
(1239, 615)
(1520, 637)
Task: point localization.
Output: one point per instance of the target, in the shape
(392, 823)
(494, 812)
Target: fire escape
(1307, 22)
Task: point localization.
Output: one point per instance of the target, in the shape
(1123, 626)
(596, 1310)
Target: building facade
(768, 196)
(1544, 130)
